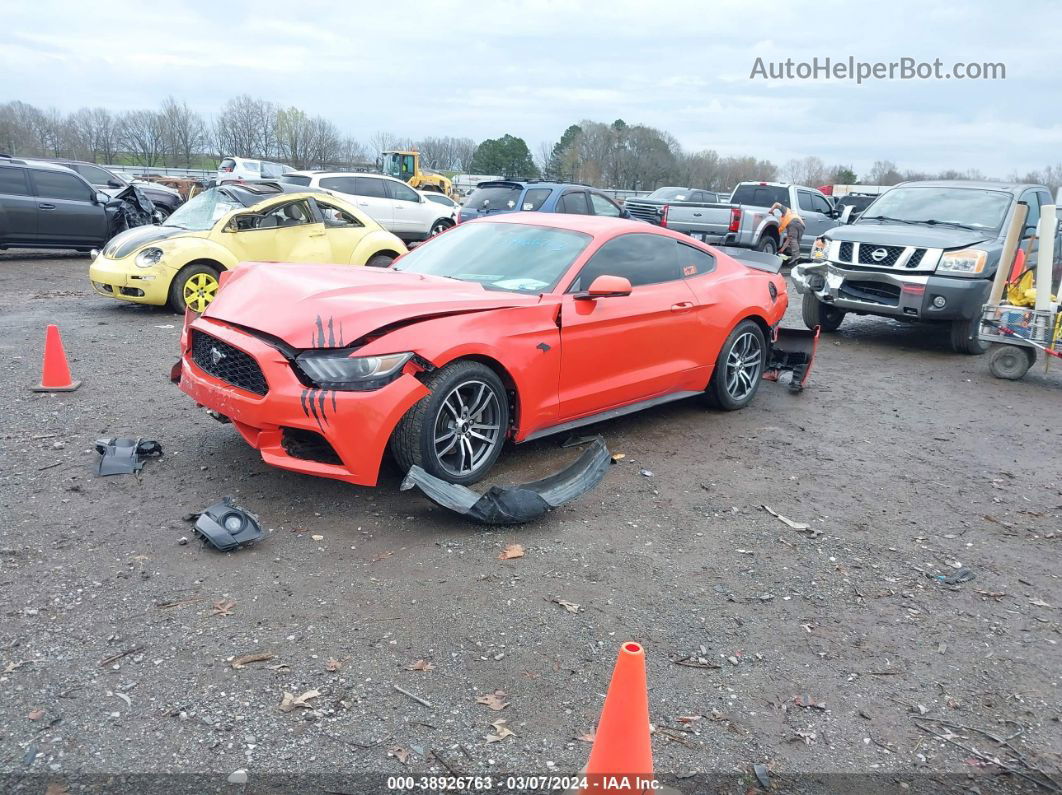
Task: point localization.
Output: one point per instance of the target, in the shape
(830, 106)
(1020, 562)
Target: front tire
(1011, 362)
(440, 226)
(194, 287)
(966, 336)
(739, 368)
(380, 261)
(456, 433)
(815, 313)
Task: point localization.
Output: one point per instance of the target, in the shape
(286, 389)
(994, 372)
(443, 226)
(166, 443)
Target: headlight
(148, 257)
(336, 370)
(968, 262)
(818, 249)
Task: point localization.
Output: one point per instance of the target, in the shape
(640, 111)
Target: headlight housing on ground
(338, 370)
(818, 248)
(149, 257)
(967, 262)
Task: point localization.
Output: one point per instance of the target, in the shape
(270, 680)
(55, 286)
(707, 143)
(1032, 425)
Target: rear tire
(966, 336)
(768, 245)
(815, 313)
(738, 369)
(1010, 362)
(435, 433)
(380, 261)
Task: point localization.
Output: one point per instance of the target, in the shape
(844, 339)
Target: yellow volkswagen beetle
(179, 262)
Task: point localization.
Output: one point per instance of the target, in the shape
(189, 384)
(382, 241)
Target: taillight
(735, 219)
(663, 215)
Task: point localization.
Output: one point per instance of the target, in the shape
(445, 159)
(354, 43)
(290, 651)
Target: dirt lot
(906, 460)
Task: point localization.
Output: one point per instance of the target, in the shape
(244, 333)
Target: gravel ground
(822, 652)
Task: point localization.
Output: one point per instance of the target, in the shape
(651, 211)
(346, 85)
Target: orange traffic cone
(56, 375)
(621, 758)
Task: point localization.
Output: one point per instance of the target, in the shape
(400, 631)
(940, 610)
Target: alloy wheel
(743, 365)
(199, 290)
(467, 428)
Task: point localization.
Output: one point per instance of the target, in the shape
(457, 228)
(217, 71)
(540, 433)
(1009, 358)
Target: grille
(229, 364)
(643, 212)
(873, 292)
(916, 258)
(309, 446)
(892, 253)
(846, 252)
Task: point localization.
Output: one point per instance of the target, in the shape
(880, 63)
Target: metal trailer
(1017, 332)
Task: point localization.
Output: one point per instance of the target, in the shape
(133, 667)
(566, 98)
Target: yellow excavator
(405, 165)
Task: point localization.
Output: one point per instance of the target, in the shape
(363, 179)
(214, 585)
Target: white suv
(238, 169)
(390, 202)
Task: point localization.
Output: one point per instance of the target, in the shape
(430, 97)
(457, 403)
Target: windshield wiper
(935, 222)
(887, 218)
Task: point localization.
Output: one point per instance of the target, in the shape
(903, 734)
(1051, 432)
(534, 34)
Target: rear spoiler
(759, 260)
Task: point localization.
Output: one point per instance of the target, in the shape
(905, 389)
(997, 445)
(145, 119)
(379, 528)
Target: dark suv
(44, 205)
(513, 196)
(166, 200)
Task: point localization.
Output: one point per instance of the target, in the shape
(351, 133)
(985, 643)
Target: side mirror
(625, 213)
(113, 183)
(101, 197)
(606, 286)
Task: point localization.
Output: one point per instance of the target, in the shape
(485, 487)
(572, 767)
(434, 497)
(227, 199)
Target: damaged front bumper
(907, 295)
(328, 433)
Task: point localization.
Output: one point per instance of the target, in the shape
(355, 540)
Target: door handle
(46, 206)
(683, 306)
(696, 215)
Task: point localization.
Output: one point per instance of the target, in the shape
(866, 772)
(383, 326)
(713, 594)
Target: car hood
(125, 243)
(909, 235)
(321, 306)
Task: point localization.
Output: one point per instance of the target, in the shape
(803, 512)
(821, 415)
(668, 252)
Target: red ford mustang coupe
(501, 329)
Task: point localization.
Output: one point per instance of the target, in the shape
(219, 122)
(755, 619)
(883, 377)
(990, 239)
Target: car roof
(531, 183)
(43, 165)
(310, 173)
(597, 225)
(251, 193)
(979, 184)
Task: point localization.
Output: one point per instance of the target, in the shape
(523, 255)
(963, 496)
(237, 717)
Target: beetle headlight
(149, 257)
(338, 370)
(967, 262)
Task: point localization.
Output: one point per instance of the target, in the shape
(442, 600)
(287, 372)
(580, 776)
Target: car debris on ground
(124, 456)
(521, 503)
(227, 526)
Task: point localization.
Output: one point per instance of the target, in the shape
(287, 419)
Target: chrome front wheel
(743, 365)
(467, 428)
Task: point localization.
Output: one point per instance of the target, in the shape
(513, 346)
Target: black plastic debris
(791, 356)
(130, 208)
(520, 503)
(958, 578)
(121, 456)
(227, 526)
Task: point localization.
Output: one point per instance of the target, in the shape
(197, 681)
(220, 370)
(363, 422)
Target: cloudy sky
(482, 69)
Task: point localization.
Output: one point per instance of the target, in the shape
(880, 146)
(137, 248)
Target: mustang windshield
(201, 212)
(517, 257)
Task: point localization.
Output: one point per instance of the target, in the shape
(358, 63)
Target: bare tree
(246, 127)
(883, 172)
(184, 132)
(143, 135)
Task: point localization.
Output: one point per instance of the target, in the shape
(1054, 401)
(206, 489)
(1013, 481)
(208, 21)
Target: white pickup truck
(743, 222)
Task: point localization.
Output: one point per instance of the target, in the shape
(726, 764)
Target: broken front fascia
(122, 456)
(521, 503)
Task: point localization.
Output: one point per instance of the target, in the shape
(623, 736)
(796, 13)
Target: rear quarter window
(13, 182)
(534, 199)
(296, 180)
(693, 262)
(760, 195)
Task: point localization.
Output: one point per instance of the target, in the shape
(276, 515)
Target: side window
(1032, 198)
(820, 205)
(338, 184)
(804, 199)
(56, 185)
(270, 170)
(253, 166)
(335, 218)
(13, 182)
(603, 206)
(93, 174)
(534, 199)
(643, 259)
(367, 186)
(693, 262)
(573, 203)
(698, 196)
(400, 192)
(291, 214)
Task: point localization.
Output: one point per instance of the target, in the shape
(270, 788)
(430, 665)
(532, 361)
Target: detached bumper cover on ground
(522, 503)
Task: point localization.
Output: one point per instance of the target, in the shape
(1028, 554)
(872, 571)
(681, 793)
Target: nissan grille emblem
(216, 356)
(878, 254)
